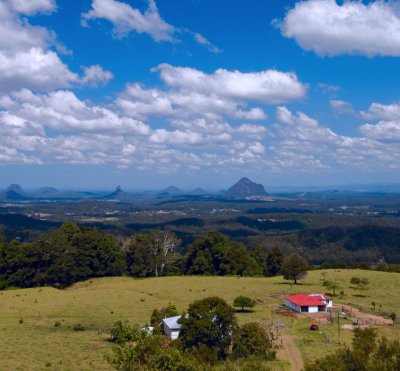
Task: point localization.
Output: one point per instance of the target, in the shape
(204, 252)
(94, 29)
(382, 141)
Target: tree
(148, 255)
(294, 267)
(244, 302)
(252, 340)
(142, 352)
(366, 354)
(159, 314)
(216, 254)
(274, 261)
(209, 326)
(332, 285)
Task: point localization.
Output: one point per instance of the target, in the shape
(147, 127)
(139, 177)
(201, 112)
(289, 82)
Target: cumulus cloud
(126, 18)
(26, 56)
(385, 131)
(341, 106)
(34, 69)
(301, 142)
(30, 7)
(268, 86)
(382, 111)
(95, 76)
(203, 41)
(331, 29)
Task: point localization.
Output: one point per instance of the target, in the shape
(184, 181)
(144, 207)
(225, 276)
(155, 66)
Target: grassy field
(29, 339)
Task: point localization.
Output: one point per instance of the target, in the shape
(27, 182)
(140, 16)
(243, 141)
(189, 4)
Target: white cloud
(328, 28)
(302, 143)
(341, 106)
(95, 76)
(17, 35)
(30, 7)
(384, 131)
(34, 69)
(125, 19)
(268, 86)
(203, 41)
(382, 111)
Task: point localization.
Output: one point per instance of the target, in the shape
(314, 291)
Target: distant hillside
(172, 191)
(199, 192)
(245, 187)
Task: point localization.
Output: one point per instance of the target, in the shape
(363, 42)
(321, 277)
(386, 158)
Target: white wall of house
(312, 309)
(173, 334)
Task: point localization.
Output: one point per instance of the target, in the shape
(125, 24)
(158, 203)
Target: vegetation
(366, 354)
(244, 302)
(252, 340)
(294, 267)
(208, 328)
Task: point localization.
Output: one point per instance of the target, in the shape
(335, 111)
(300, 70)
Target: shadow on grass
(244, 311)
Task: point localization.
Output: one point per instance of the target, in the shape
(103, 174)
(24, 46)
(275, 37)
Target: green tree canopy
(252, 340)
(244, 302)
(150, 254)
(216, 254)
(210, 324)
(294, 267)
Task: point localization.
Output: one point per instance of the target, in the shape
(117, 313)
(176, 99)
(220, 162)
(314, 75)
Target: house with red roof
(309, 303)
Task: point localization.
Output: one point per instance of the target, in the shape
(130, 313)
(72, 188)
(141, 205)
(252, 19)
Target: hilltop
(245, 187)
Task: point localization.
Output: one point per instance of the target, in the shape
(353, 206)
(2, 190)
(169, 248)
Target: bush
(122, 332)
(252, 340)
(57, 323)
(78, 327)
(244, 302)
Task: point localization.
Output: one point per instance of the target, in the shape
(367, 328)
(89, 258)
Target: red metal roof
(304, 300)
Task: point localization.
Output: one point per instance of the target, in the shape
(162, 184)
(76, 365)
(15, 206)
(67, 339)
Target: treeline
(74, 253)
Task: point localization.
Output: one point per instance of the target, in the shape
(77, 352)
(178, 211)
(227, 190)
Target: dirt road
(291, 353)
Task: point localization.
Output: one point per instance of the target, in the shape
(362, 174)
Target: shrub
(78, 327)
(57, 323)
(252, 340)
(122, 332)
(244, 302)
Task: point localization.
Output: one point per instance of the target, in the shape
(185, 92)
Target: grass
(37, 343)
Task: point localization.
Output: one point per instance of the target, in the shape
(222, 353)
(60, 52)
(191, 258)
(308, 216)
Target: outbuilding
(172, 327)
(309, 303)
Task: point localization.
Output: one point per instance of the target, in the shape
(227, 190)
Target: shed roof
(304, 300)
(172, 322)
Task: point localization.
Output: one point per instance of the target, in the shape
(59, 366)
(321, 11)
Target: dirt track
(291, 353)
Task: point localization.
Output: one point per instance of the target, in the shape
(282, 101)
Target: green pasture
(36, 325)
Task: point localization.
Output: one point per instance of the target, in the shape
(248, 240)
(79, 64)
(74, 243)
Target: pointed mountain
(245, 187)
(15, 193)
(16, 188)
(199, 192)
(119, 195)
(171, 191)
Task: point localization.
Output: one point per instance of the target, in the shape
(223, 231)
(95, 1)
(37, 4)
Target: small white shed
(172, 327)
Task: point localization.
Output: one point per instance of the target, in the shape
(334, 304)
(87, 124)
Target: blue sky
(148, 93)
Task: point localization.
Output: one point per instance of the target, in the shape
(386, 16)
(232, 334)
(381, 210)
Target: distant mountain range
(242, 189)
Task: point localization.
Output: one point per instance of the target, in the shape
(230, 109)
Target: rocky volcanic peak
(245, 187)
(16, 188)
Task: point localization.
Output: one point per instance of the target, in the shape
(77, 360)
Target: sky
(149, 93)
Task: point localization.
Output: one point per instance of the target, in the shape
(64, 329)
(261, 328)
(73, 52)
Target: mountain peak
(172, 190)
(15, 188)
(245, 187)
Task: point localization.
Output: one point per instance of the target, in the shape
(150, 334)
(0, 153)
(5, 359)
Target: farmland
(37, 324)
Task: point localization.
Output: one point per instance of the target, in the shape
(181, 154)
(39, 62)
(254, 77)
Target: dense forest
(72, 253)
